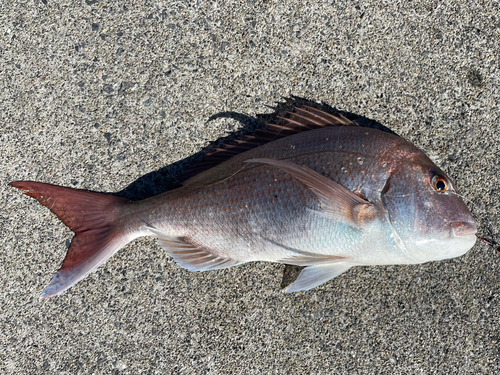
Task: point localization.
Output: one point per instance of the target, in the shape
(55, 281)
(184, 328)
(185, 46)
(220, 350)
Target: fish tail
(95, 218)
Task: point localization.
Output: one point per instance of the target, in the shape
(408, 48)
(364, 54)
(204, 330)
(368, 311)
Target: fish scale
(331, 196)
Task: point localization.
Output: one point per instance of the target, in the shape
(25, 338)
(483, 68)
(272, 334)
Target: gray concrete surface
(97, 94)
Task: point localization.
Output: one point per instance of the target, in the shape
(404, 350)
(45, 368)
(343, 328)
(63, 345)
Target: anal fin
(190, 256)
(313, 276)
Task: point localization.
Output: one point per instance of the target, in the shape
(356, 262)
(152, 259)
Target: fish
(316, 191)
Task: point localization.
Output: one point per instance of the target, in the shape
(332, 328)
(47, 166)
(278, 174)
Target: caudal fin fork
(95, 220)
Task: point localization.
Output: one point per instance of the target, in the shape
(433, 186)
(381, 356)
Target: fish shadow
(171, 176)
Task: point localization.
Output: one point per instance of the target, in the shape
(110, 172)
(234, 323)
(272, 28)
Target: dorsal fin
(303, 119)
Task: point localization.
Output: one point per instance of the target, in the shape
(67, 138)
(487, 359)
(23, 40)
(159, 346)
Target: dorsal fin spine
(303, 119)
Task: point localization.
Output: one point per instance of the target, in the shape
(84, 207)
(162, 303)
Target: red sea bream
(319, 192)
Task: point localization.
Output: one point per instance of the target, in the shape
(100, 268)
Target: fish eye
(439, 184)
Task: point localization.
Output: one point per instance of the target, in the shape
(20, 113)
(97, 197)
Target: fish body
(328, 198)
(258, 212)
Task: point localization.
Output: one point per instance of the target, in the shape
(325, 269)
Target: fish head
(430, 220)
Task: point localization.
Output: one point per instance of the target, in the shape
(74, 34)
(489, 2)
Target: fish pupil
(440, 185)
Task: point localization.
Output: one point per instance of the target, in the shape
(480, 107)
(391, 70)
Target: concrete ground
(104, 96)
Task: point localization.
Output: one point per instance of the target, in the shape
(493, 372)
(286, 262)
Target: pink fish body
(329, 196)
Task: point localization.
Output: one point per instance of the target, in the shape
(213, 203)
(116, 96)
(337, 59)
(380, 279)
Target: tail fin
(93, 217)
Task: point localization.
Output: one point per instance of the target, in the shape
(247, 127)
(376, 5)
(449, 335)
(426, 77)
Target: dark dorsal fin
(303, 119)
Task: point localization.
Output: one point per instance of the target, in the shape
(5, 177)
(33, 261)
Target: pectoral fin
(313, 276)
(311, 259)
(336, 201)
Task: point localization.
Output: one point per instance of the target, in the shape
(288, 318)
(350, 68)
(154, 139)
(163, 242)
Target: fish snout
(463, 228)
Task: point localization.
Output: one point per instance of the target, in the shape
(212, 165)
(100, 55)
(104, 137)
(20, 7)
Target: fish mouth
(463, 228)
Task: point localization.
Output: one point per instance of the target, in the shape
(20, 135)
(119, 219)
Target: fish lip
(463, 228)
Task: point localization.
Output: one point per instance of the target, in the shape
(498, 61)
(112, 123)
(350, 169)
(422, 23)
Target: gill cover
(429, 219)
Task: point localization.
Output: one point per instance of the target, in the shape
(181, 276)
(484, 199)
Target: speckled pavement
(104, 96)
